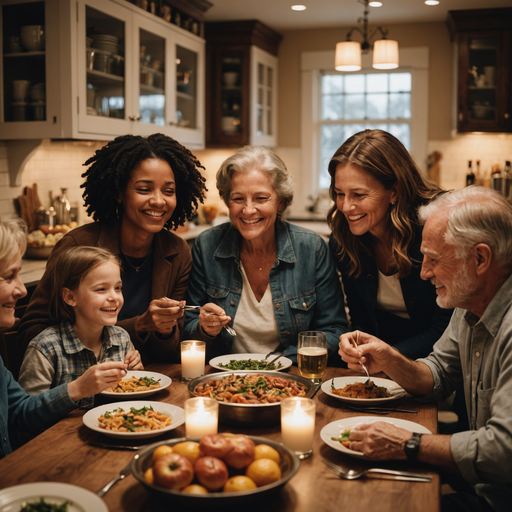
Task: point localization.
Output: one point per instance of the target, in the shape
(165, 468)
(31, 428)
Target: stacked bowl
(38, 104)
(106, 42)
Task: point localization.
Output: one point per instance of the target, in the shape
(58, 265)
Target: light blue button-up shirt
(306, 291)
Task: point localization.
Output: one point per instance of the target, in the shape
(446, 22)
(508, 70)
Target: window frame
(413, 60)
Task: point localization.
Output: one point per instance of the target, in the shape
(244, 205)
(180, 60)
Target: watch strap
(412, 446)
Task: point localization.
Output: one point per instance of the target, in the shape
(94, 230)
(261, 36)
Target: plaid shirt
(70, 358)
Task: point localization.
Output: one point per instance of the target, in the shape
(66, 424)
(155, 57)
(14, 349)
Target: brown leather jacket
(171, 268)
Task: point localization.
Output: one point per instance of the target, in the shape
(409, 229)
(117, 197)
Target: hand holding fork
(205, 312)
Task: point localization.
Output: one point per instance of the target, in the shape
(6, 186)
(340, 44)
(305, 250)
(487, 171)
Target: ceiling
(332, 13)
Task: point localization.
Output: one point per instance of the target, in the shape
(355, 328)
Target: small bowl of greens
(250, 363)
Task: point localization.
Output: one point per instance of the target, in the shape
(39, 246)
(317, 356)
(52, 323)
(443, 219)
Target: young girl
(85, 300)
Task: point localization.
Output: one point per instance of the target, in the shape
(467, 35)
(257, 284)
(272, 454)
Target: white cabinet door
(263, 98)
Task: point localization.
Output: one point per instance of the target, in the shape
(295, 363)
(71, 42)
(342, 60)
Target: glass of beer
(312, 355)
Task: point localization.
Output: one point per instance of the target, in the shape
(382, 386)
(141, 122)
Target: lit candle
(298, 425)
(192, 359)
(201, 416)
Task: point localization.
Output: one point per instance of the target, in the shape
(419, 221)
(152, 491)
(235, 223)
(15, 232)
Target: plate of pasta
(139, 419)
(356, 390)
(336, 434)
(139, 383)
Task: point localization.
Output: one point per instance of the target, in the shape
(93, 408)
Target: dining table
(63, 453)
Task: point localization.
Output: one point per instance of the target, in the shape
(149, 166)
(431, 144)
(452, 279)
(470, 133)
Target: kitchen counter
(33, 270)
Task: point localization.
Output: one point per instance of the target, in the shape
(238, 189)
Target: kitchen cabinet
(484, 49)
(241, 101)
(105, 68)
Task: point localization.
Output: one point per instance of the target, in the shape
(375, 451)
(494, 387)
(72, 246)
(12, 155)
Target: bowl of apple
(216, 470)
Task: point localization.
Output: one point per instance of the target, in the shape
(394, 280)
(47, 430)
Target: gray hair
(475, 215)
(13, 238)
(256, 157)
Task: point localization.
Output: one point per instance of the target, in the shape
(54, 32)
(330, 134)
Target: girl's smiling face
(99, 297)
(11, 289)
(363, 200)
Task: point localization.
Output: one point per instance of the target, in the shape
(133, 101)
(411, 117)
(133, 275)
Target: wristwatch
(412, 446)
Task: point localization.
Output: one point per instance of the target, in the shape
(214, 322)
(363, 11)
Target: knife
(382, 409)
(114, 446)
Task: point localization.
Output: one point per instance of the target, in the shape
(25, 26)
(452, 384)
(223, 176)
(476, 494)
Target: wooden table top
(62, 454)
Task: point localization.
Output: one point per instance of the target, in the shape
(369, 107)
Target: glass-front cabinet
(484, 98)
(95, 69)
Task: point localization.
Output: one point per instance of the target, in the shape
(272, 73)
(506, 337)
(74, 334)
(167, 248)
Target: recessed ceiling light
(298, 7)
(375, 4)
(432, 2)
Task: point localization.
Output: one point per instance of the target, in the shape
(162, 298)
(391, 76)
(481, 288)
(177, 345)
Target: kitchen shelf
(149, 89)
(24, 54)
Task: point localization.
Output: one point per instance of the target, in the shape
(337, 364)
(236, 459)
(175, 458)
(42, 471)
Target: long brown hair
(385, 159)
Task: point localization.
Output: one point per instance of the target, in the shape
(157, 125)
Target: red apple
(173, 471)
(211, 472)
(242, 453)
(215, 445)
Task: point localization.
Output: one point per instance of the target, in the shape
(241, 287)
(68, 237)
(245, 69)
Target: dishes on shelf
(107, 43)
(32, 38)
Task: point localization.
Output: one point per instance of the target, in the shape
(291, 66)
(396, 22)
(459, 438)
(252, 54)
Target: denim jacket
(429, 319)
(28, 413)
(306, 292)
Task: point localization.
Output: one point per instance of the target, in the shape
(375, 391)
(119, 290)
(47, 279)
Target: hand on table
(212, 319)
(133, 360)
(379, 440)
(162, 316)
(96, 379)
(374, 353)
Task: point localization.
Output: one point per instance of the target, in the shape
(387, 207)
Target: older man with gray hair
(467, 248)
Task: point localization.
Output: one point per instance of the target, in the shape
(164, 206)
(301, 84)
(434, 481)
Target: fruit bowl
(38, 252)
(290, 464)
(251, 415)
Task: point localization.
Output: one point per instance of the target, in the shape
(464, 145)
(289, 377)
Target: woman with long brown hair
(376, 238)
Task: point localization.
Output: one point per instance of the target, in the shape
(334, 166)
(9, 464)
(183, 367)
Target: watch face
(412, 446)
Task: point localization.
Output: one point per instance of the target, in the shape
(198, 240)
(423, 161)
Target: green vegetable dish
(250, 364)
(42, 506)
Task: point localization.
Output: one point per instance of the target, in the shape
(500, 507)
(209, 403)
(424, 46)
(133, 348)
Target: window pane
(261, 80)
(354, 106)
(400, 82)
(377, 106)
(377, 82)
(354, 83)
(332, 84)
(332, 107)
(269, 77)
(400, 106)
(402, 132)
(331, 140)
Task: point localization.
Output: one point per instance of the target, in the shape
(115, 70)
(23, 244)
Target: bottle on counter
(478, 176)
(496, 178)
(507, 181)
(63, 208)
(470, 176)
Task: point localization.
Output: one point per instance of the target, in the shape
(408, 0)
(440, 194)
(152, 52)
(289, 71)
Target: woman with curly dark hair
(136, 189)
(377, 189)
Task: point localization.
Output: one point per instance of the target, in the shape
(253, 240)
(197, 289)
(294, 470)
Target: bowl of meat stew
(250, 399)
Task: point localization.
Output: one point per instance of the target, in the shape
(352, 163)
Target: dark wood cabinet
(241, 83)
(484, 50)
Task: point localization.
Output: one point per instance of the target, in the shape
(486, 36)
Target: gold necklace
(266, 260)
(132, 265)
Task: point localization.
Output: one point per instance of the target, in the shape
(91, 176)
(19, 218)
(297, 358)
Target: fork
(352, 474)
(362, 365)
(227, 327)
(122, 474)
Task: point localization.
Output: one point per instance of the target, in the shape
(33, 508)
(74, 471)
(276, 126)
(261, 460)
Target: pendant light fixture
(348, 53)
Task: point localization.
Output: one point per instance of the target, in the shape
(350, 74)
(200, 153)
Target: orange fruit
(263, 471)
(189, 449)
(264, 451)
(239, 483)
(149, 477)
(160, 451)
(195, 489)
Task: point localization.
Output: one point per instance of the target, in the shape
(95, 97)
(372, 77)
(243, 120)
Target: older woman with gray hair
(266, 278)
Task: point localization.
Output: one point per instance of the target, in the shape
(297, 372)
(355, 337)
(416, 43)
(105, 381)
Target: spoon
(362, 365)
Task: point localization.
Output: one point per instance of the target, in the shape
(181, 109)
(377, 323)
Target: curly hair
(384, 158)
(111, 167)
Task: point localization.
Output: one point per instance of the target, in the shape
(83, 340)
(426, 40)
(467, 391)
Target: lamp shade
(348, 56)
(385, 54)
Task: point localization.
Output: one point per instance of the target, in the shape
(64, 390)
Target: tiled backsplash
(58, 164)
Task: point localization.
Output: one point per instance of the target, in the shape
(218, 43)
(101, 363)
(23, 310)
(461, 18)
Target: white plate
(177, 415)
(286, 363)
(80, 500)
(335, 429)
(340, 382)
(165, 382)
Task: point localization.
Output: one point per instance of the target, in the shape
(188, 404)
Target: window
(354, 102)
(334, 106)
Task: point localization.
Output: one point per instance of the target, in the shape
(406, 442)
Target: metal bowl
(251, 415)
(290, 464)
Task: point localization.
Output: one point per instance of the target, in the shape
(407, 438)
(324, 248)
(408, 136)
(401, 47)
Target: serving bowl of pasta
(138, 384)
(250, 399)
(289, 465)
(139, 419)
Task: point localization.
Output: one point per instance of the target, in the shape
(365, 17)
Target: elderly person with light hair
(468, 257)
(268, 279)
